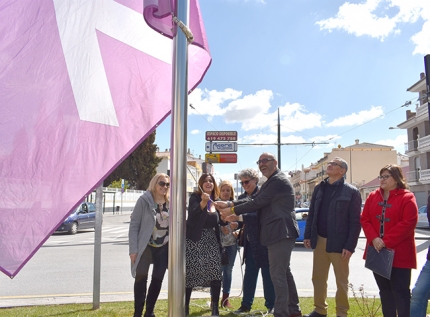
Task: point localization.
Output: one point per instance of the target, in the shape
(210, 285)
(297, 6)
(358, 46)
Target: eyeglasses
(335, 164)
(162, 184)
(384, 177)
(246, 182)
(264, 161)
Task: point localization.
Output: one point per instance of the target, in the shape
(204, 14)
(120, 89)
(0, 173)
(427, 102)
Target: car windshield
(422, 210)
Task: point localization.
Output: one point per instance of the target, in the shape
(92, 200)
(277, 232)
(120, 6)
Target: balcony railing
(422, 110)
(424, 142)
(413, 177)
(424, 175)
(411, 146)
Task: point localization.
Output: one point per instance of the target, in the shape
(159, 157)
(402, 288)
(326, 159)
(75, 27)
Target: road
(62, 270)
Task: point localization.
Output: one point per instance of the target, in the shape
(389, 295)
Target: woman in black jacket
(203, 255)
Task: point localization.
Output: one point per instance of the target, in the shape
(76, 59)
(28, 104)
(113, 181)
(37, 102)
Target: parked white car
(422, 217)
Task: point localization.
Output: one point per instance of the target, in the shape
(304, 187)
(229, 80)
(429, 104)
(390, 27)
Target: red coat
(399, 230)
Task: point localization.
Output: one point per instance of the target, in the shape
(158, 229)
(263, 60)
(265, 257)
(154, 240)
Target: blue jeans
(250, 282)
(228, 269)
(421, 292)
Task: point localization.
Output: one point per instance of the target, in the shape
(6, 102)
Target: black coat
(343, 223)
(251, 236)
(275, 205)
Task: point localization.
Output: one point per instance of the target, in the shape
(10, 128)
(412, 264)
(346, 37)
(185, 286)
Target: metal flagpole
(178, 162)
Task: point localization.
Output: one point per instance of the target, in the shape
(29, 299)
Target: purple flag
(82, 83)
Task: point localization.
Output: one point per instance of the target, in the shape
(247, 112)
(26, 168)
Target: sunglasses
(246, 182)
(264, 161)
(385, 177)
(162, 184)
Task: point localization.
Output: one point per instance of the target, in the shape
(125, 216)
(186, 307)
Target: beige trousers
(321, 267)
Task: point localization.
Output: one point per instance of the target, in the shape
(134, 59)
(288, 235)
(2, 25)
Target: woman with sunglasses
(255, 256)
(389, 219)
(148, 243)
(229, 243)
(203, 245)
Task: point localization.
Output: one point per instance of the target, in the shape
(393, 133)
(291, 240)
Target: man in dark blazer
(278, 230)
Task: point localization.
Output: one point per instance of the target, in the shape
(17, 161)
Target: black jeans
(395, 293)
(160, 261)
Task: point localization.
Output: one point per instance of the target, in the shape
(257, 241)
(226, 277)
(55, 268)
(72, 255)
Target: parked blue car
(301, 217)
(83, 217)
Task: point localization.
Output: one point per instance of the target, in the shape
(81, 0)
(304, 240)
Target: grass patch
(198, 307)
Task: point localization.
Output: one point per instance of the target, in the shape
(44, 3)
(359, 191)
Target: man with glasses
(274, 203)
(332, 231)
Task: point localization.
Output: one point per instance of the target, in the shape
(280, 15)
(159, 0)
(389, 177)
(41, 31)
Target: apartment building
(418, 145)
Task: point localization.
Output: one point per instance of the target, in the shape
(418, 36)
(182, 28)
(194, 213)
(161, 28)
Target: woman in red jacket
(389, 219)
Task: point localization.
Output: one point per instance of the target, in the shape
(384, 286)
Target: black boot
(214, 306)
(188, 291)
(215, 291)
(151, 299)
(139, 295)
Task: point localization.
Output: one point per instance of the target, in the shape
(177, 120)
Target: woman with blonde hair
(148, 243)
(229, 243)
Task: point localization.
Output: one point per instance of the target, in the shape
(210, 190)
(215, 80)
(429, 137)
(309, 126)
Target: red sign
(221, 158)
(221, 135)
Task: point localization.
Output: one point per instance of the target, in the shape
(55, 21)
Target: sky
(337, 71)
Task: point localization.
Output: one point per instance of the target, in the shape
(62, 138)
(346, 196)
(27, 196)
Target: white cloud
(196, 131)
(398, 143)
(357, 118)
(370, 18)
(209, 102)
(296, 118)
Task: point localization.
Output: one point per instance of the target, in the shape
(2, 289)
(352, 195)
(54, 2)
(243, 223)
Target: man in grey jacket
(278, 230)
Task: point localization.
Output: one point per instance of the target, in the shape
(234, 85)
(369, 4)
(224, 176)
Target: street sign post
(221, 135)
(221, 158)
(221, 146)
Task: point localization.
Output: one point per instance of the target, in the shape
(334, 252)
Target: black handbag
(224, 256)
(380, 262)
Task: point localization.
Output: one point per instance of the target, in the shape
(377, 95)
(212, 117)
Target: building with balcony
(358, 156)
(418, 145)
(299, 180)
(194, 168)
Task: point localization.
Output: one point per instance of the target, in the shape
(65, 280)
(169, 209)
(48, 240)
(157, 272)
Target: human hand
(307, 243)
(133, 257)
(221, 204)
(232, 218)
(205, 198)
(233, 225)
(378, 243)
(225, 212)
(224, 229)
(346, 254)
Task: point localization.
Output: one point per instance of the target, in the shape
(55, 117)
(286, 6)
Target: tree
(139, 167)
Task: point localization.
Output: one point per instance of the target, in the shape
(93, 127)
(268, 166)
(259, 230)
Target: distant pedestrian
(148, 243)
(332, 231)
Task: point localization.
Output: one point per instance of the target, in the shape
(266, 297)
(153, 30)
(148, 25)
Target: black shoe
(147, 314)
(242, 309)
(271, 311)
(315, 314)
